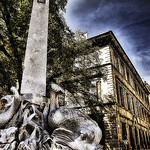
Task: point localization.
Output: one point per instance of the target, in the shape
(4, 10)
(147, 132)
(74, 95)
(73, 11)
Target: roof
(108, 38)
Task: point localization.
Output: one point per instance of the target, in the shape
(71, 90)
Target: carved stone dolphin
(13, 102)
(74, 129)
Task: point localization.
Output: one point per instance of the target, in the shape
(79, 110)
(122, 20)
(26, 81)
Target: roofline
(115, 41)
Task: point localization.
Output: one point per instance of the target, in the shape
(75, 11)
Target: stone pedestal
(34, 98)
(34, 73)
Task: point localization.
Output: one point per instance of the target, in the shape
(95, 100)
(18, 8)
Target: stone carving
(30, 132)
(26, 122)
(34, 73)
(55, 90)
(8, 136)
(74, 130)
(12, 104)
(32, 127)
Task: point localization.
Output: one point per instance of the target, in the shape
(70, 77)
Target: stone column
(34, 73)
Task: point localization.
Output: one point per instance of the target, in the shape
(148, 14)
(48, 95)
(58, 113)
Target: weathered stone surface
(34, 98)
(38, 127)
(8, 135)
(73, 129)
(11, 146)
(11, 106)
(34, 74)
(7, 138)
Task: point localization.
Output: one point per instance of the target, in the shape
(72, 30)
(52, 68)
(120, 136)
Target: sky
(129, 20)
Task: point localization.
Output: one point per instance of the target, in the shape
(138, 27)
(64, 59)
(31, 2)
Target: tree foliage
(65, 51)
(14, 20)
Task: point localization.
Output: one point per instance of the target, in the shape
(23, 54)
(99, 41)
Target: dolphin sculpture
(74, 130)
(13, 102)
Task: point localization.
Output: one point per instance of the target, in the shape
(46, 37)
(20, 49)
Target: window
(139, 91)
(141, 139)
(147, 140)
(128, 101)
(142, 113)
(135, 86)
(116, 61)
(124, 132)
(117, 87)
(144, 138)
(124, 135)
(136, 136)
(133, 105)
(132, 141)
(121, 96)
(147, 99)
(122, 68)
(142, 95)
(128, 76)
(147, 116)
(131, 81)
(138, 108)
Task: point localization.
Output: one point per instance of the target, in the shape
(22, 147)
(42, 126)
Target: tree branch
(2, 48)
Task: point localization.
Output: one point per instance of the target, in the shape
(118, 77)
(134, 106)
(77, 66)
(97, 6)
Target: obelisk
(34, 73)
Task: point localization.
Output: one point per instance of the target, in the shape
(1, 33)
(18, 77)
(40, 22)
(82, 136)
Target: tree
(64, 49)
(14, 20)
(76, 67)
(14, 24)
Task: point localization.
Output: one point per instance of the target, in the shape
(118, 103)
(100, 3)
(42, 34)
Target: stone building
(125, 97)
(126, 121)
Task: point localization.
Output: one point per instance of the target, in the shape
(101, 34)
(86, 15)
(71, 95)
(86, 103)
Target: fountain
(29, 121)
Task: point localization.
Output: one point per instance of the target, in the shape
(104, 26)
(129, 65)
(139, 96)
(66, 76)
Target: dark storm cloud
(84, 7)
(139, 33)
(128, 19)
(118, 12)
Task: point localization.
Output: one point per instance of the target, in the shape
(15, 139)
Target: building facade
(125, 97)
